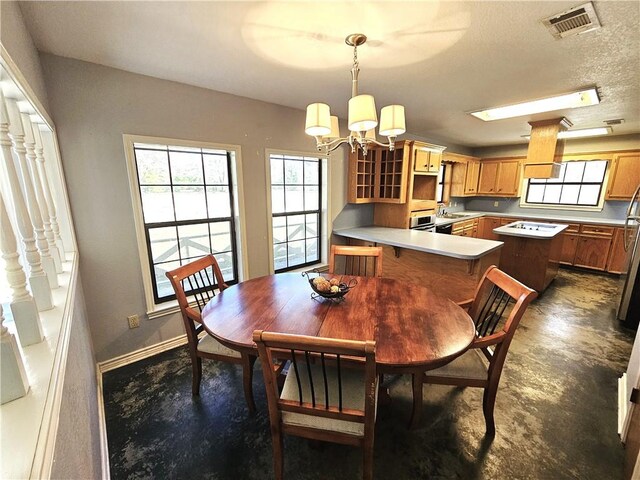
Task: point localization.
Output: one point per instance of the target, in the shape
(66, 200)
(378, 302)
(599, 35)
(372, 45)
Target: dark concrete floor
(556, 411)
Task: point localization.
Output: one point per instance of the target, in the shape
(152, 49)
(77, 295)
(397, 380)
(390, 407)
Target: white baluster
(38, 280)
(17, 135)
(14, 378)
(32, 147)
(23, 306)
(53, 216)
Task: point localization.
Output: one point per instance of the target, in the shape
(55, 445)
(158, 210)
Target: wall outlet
(495, 204)
(134, 321)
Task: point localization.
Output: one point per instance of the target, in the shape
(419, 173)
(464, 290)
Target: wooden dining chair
(324, 396)
(498, 305)
(199, 279)
(357, 260)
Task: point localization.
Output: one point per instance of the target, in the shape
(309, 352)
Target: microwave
(423, 222)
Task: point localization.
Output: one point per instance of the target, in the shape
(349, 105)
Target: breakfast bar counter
(449, 265)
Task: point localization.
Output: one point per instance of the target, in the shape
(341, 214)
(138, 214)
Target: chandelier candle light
(362, 119)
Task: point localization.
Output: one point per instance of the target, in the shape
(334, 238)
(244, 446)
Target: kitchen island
(449, 265)
(531, 252)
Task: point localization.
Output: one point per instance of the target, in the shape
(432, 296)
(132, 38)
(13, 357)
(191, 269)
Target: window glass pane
(574, 171)
(160, 276)
(280, 230)
(594, 171)
(312, 250)
(225, 262)
(220, 237)
(439, 191)
(277, 171)
(311, 200)
(311, 176)
(157, 204)
(552, 193)
(295, 253)
(277, 199)
(164, 243)
(535, 193)
(293, 173)
(190, 203)
(279, 256)
(295, 227)
(218, 202)
(560, 179)
(312, 225)
(186, 168)
(215, 169)
(294, 199)
(153, 167)
(570, 194)
(537, 180)
(193, 241)
(589, 194)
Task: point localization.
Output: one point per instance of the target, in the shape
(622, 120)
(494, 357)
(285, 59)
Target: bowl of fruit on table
(330, 287)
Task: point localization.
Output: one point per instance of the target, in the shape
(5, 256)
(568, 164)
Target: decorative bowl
(343, 287)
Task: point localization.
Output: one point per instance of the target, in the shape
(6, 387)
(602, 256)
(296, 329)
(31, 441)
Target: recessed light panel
(583, 132)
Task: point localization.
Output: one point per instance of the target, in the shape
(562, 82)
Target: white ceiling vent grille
(580, 19)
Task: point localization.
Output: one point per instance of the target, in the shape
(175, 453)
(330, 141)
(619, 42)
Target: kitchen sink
(455, 215)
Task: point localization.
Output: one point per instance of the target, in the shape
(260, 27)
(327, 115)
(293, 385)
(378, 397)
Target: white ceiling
(439, 59)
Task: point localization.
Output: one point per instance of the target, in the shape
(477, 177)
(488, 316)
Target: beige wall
(584, 145)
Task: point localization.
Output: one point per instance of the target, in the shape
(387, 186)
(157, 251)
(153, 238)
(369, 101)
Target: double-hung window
(188, 210)
(580, 184)
(296, 205)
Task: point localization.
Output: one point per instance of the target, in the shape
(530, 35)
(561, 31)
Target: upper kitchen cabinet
(465, 171)
(624, 176)
(426, 158)
(499, 177)
(380, 176)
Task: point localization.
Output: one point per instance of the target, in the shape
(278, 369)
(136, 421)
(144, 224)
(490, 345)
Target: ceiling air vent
(580, 19)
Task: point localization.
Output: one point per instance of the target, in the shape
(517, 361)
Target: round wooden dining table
(414, 329)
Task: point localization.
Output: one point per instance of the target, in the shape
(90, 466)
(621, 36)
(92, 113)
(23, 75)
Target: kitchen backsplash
(511, 206)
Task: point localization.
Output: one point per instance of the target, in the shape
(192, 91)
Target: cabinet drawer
(573, 228)
(598, 230)
(506, 221)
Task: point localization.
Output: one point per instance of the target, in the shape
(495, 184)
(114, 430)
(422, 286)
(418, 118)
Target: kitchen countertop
(545, 234)
(548, 217)
(465, 248)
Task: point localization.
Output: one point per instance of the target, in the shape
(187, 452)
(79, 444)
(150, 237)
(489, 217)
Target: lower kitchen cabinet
(468, 228)
(617, 255)
(486, 226)
(569, 248)
(592, 252)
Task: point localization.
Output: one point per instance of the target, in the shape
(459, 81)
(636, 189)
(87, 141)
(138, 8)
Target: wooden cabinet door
(471, 178)
(592, 252)
(435, 159)
(624, 177)
(508, 178)
(569, 247)
(421, 159)
(392, 174)
(486, 226)
(617, 255)
(488, 176)
(362, 176)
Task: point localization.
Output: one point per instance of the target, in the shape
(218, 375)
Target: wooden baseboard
(142, 353)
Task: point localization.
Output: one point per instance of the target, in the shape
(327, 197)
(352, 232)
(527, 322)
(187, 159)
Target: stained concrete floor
(556, 412)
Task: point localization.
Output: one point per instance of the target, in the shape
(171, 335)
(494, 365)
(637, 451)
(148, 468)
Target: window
(440, 187)
(579, 184)
(188, 209)
(296, 203)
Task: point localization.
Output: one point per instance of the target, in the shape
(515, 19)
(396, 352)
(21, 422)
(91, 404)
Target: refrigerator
(629, 305)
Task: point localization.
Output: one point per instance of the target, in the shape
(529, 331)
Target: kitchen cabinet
(617, 255)
(381, 176)
(467, 228)
(426, 158)
(486, 226)
(471, 178)
(593, 247)
(465, 172)
(569, 244)
(624, 176)
(499, 177)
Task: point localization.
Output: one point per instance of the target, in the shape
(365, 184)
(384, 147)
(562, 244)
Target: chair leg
(247, 379)
(367, 459)
(278, 454)
(417, 400)
(196, 365)
(488, 404)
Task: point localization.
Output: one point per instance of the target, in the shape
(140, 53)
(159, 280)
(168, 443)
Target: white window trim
(167, 308)
(578, 208)
(325, 208)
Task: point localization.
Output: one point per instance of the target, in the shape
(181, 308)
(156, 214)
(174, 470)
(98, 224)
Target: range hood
(545, 149)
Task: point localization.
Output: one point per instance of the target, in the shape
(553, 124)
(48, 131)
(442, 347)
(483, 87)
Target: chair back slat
(355, 260)
(326, 384)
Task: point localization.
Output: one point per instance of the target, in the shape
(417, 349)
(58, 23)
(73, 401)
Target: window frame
(442, 183)
(324, 208)
(577, 207)
(238, 231)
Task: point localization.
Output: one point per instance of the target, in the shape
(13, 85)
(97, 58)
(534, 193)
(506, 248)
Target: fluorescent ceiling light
(584, 132)
(582, 98)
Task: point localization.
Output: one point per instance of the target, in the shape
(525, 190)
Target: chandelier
(362, 118)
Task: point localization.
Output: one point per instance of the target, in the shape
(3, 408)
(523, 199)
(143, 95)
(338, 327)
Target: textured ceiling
(439, 59)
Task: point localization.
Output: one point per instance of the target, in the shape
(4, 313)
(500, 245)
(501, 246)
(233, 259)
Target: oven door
(426, 228)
